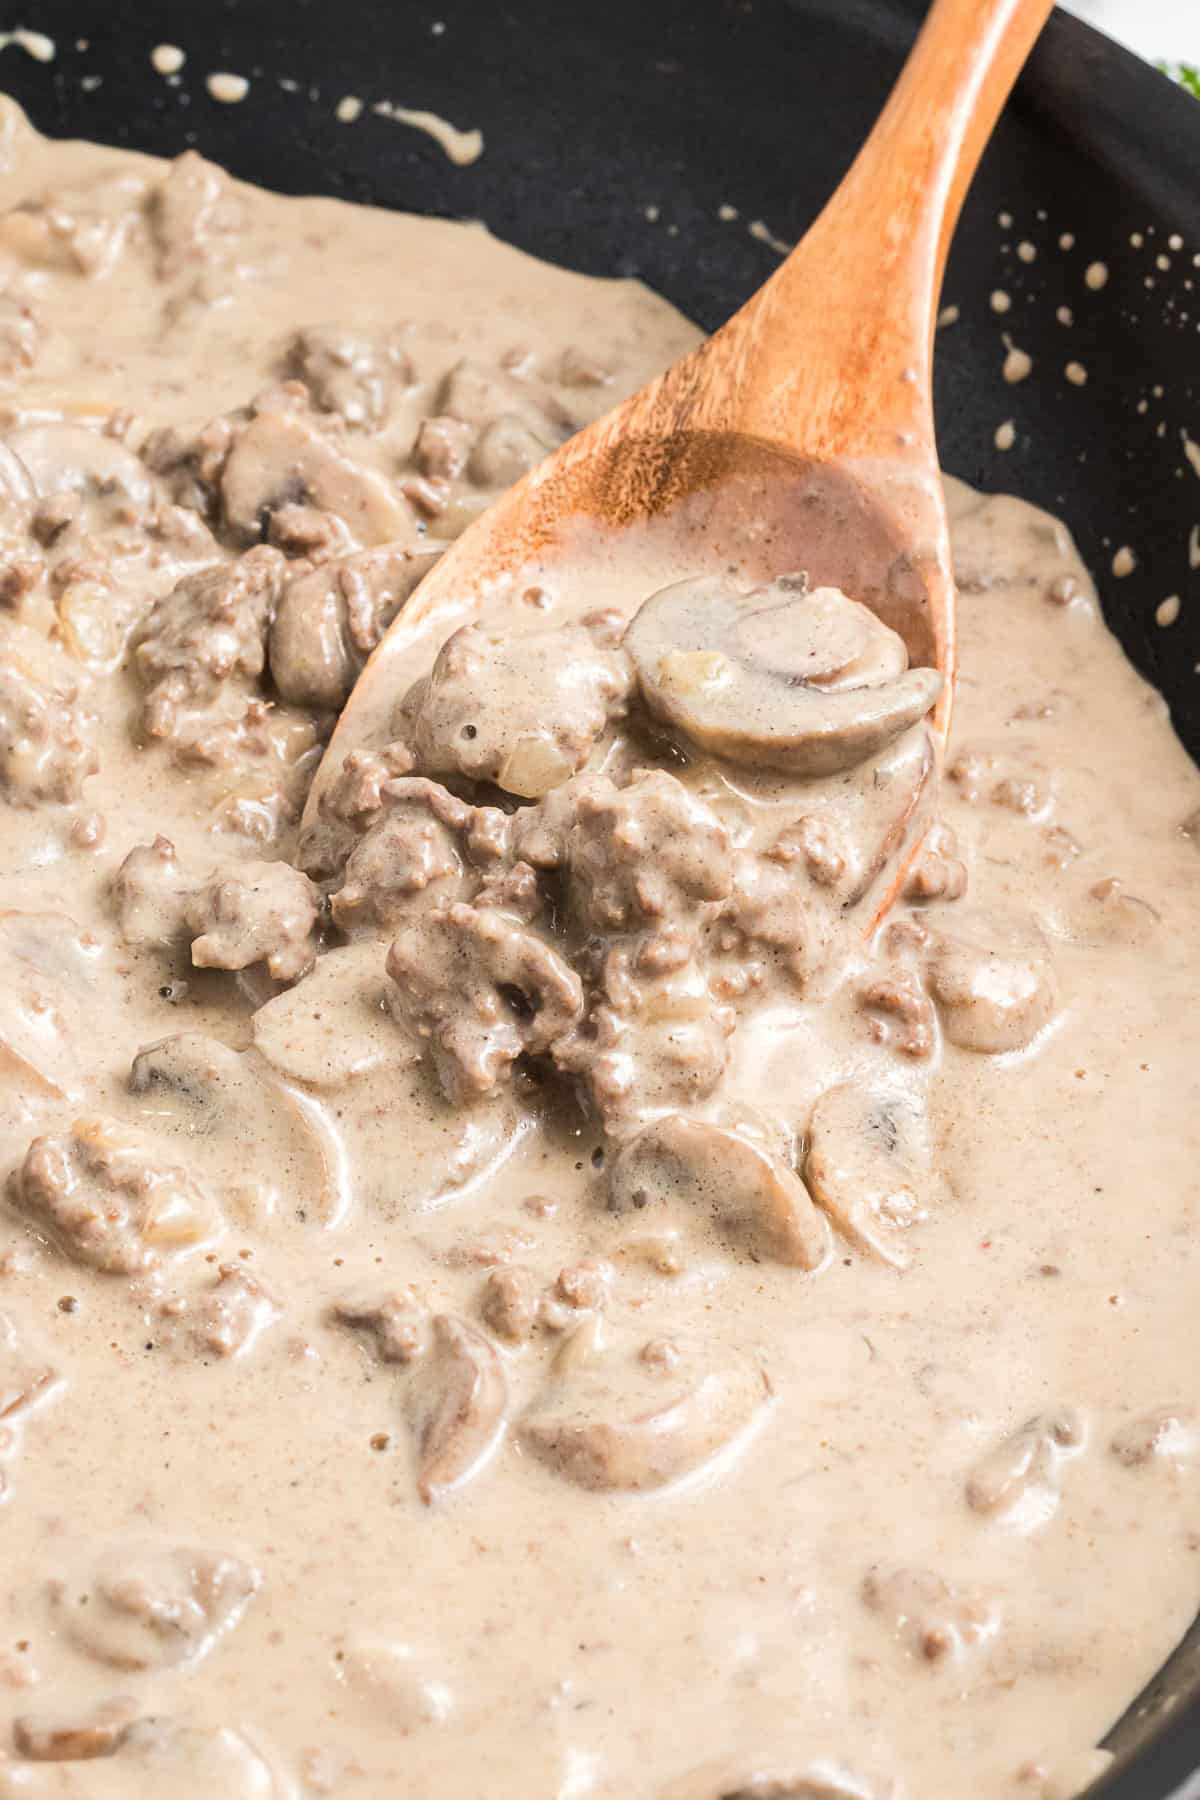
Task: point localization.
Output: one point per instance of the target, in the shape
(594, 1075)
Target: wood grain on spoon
(807, 416)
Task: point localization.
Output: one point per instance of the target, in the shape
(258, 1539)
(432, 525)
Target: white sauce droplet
(1194, 547)
(1006, 435)
(1191, 450)
(650, 214)
(33, 43)
(348, 109)
(1000, 301)
(167, 59)
(760, 230)
(1026, 251)
(1065, 316)
(1136, 239)
(1004, 220)
(227, 88)
(1162, 262)
(1075, 373)
(1018, 363)
(727, 213)
(1067, 241)
(947, 316)
(1124, 562)
(1096, 276)
(1174, 242)
(1167, 611)
(461, 147)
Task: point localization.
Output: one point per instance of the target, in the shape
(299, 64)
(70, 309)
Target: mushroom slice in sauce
(778, 678)
(1018, 1479)
(144, 1607)
(638, 1416)
(334, 1025)
(282, 459)
(258, 1137)
(48, 989)
(992, 981)
(457, 1406)
(869, 1165)
(774, 1778)
(751, 1197)
(155, 1756)
(331, 618)
(74, 1736)
(62, 456)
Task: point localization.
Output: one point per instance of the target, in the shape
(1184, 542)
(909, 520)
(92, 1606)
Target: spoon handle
(833, 355)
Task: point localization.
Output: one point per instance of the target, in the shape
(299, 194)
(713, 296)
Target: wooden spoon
(801, 434)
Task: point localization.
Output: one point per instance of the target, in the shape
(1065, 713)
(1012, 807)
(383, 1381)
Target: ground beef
(192, 207)
(522, 711)
(103, 1194)
(480, 990)
(226, 1318)
(654, 1037)
(346, 372)
(649, 853)
(46, 747)
(349, 806)
(255, 912)
(239, 914)
(206, 638)
(410, 860)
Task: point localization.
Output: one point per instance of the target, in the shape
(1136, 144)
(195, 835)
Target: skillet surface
(612, 144)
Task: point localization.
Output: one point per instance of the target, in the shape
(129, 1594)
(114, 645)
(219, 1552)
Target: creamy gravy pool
(534, 1305)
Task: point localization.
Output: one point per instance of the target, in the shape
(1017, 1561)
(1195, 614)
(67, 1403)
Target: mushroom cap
(619, 1419)
(750, 1195)
(809, 683)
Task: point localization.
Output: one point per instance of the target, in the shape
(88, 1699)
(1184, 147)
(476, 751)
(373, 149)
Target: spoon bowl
(799, 437)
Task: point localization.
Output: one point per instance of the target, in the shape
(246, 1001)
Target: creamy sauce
(331, 1322)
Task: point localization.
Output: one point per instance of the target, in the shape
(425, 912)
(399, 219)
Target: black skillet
(616, 132)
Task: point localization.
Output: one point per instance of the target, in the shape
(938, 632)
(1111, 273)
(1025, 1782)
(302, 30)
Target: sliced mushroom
(334, 1025)
(774, 1778)
(16, 482)
(752, 1197)
(636, 1416)
(154, 1756)
(25, 1382)
(457, 1406)
(869, 1165)
(329, 620)
(477, 395)
(402, 1687)
(281, 459)
(992, 981)
(76, 1735)
(1169, 1434)
(59, 457)
(1019, 1478)
(49, 991)
(506, 450)
(779, 678)
(256, 1133)
(152, 1606)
